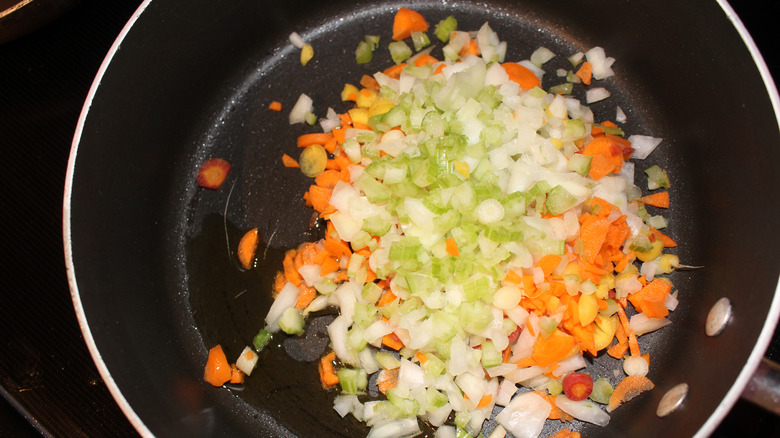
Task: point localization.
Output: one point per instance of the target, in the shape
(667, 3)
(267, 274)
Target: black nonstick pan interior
(153, 255)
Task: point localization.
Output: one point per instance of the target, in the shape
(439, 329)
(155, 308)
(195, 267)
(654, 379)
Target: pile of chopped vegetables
(484, 237)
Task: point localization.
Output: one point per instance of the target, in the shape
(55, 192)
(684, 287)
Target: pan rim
(706, 429)
(130, 413)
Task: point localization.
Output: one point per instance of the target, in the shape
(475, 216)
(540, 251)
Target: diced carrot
(319, 197)
(217, 370)
(407, 21)
(585, 72)
(512, 277)
(247, 247)
(651, 298)
(522, 75)
(565, 433)
(422, 358)
(289, 161)
(319, 138)
(386, 298)
(337, 247)
(275, 106)
(485, 401)
(439, 69)
(329, 265)
(469, 49)
(424, 59)
(279, 282)
(619, 350)
(212, 173)
(328, 378)
(554, 348)
(548, 263)
(367, 81)
(633, 345)
(394, 71)
(290, 273)
(593, 234)
(668, 241)
(392, 341)
(658, 199)
(236, 375)
(327, 179)
(387, 379)
(627, 389)
(452, 247)
(306, 295)
(607, 157)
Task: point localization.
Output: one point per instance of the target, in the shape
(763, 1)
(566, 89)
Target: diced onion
(596, 94)
(525, 415)
(584, 410)
(304, 105)
(641, 324)
(247, 361)
(643, 145)
(296, 40)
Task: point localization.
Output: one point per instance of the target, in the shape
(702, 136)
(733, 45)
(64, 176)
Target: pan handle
(763, 389)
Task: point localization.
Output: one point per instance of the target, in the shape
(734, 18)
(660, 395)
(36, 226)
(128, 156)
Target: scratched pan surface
(151, 256)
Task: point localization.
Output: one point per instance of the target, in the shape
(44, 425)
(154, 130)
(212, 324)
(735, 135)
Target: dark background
(48, 382)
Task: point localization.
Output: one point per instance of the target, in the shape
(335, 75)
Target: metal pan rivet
(719, 316)
(672, 400)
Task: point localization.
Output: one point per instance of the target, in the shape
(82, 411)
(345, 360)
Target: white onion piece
(411, 374)
(446, 432)
(506, 390)
(286, 298)
(438, 416)
(636, 366)
(501, 370)
(525, 415)
(311, 274)
(671, 301)
(472, 386)
(641, 324)
(523, 374)
(337, 330)
(596, 94)
(601, 63)
(584, 410)
(345, 404)
(643, 145)
(302, 106)
(396, 428)
(498, 432)
(331, 121)
(620, 116)
(573, 363)
(296, 40)
(246, 361)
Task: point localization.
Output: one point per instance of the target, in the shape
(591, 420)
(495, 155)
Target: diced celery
(565, 88)
(579, 163)
(490, 355)
(435, 398)
(434, 366)
(375, 191)
(475, 316)
(445, 28)
(352, 381)
(559, 200)
(420, 40)
(554, 387)
(364, 52)
(602, 390)
(387, 360)
(407, 406)
(657, 178)
(291, 321)
(261, 339)
(399, 51)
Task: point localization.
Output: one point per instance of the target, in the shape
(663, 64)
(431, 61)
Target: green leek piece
(261, 339)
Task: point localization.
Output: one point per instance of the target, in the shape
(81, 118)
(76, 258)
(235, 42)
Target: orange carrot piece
(367, 81)
(512, 277)
(485, 401)
(386, 298)
(407, 21)
(452, 247)
(659, 199)
(279, 282)
(668, 241)
(328, 377)
(247, 247)
(633, 345)
(619, 350)
(289, 161)
(319, 138)
(392, 341)
(422, 358)
(387, 379)
(337, 247)
(627, 389)
(275, 106)
(329, 265)
(585, 72)
(522, 75)
(548, 263)
(212, 173)
(469, 49)
(593, 234)
(394, 71)
(607, 157)
(565, 433)
(651, 298)
(327, 179)
(306, 295)
(236, 375)
(319, 197)
(425, 59)
(553, 348)
(290, 273)
(217, 370)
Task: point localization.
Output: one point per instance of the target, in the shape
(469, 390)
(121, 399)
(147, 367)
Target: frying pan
(149, 253)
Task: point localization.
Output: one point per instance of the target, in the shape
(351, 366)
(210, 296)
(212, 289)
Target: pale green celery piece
(602, 390)
(434, 366)
(565, 88)
(399, 51)
(371, 293)
(475, 316)
(325, 286)
(376, 226)
(559, 200)
(355, 340)
(554, 387)
(291, 321)
(408, 407)
(490, 355)
(364, 53)
(579, 163)
(445, 27)
(375, 191)
(435, 398)
(657, 178)
(352, 381)
(420, 40)
(387, 360)
(478, 288)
